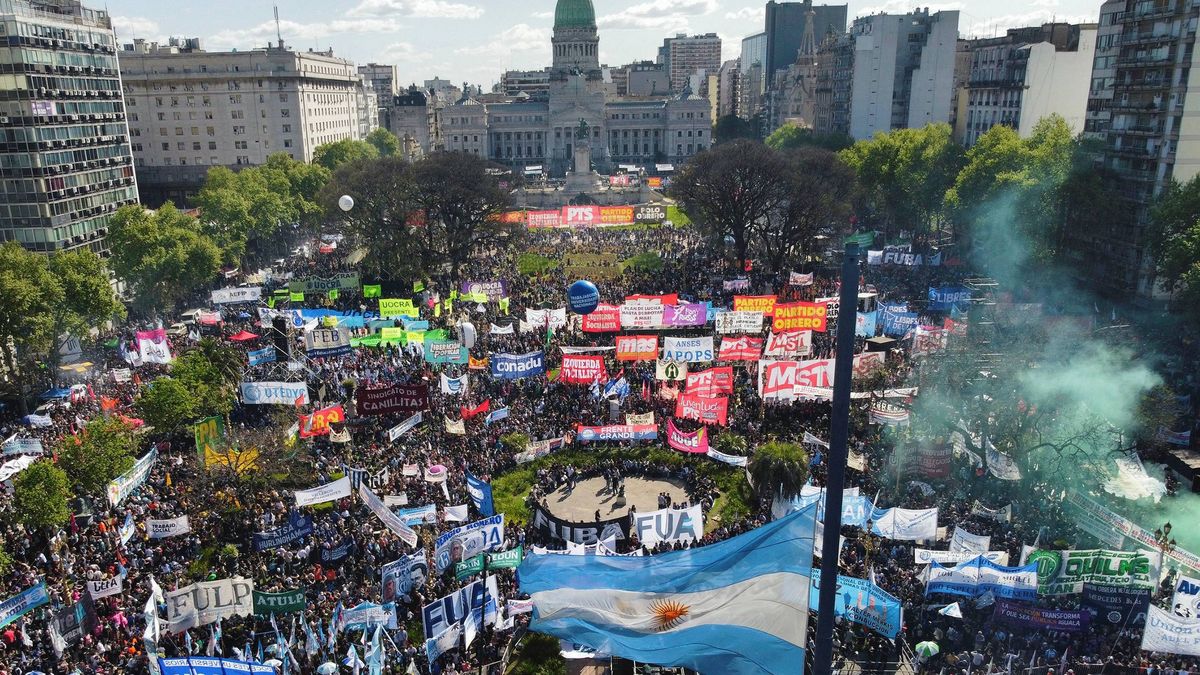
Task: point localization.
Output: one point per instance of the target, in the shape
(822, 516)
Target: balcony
(1143, 131)
(1142, 85)
(1146, 107)
(1146, 38)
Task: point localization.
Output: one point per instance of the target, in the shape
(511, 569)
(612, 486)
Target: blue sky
(476, 40)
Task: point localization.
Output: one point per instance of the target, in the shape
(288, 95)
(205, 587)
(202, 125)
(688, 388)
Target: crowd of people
(339, 565)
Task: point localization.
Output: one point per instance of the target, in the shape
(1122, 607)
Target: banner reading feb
(801, 316)
(754, 303)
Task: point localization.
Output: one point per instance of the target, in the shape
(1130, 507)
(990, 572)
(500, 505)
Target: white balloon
(346, 202)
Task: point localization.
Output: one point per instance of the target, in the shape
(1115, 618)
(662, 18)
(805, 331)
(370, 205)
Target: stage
(580, 504)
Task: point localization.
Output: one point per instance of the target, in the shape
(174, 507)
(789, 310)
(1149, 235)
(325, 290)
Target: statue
(582, 131)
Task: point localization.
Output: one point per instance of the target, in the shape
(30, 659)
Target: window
(166, 147)
(196, 146)
(287, 128)
(238, 131)
(235, 99)
(209, 131)
(237, 114)
(212, 145)
(195, 131)
(287, 142)
(240, 145)
(178, 131)
(133, 117)
(177, 116)
(158, 100)
(162, 117)
(285, 112)
(243, 159)
(208, 114)
(213, 160)
(283, 98)
(162, 131)
(181, 146)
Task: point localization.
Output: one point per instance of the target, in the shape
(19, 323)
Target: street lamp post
(1166, 544)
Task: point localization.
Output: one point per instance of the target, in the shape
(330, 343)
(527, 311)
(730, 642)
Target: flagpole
(836, 461)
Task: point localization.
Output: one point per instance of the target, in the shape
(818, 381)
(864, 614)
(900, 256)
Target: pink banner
(694, 442)
(702, 409)
(685, 315)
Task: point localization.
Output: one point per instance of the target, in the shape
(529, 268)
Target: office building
(533, 83)
(729, 84)
(190, 109)
(645, 78)
(683, 56)
(1028, 74)
(380, 78)
(65, 160)
(785, 29)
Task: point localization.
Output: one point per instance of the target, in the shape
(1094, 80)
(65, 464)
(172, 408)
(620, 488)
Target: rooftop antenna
(278, 32)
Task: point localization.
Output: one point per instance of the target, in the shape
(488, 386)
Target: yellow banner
(393, 307)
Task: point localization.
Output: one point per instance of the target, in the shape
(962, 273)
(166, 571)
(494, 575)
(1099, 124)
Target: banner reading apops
(800, 316)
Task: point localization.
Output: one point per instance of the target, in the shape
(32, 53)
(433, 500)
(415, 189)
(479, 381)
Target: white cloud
(906, 6)
(402, 53)
(542, 15)
(755, 14)
(129, 27)
(998, 25)
(662, 15)
(521, 38)
(294, 32)
(422, 9)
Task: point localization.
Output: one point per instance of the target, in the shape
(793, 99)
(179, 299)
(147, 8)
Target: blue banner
(22, 603)
(421, 515)
(898, 324)
(336, 553)
(979, 576)
(296, 528)
(948, 296)
(864, 325)
(414, 324)
(862, 602)
(516, 366)
(207, 665)
(481, 494)
(261, 356)
(496, 416)
(445, 351)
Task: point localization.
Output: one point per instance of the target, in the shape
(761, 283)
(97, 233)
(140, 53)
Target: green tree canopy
(778, 467)
(791, 136)
(104, 450)
(905, 174)
(167, 405)
(88, 297)
(335, 154)
(1174, 239)
(820, 194)
(32, 298)
(161, 255)
(385, 205)
(40, 496)
(384, 141)
(732, 127)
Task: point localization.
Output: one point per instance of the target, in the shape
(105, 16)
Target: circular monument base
(581, 504)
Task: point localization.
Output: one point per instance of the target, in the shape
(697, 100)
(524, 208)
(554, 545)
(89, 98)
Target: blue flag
(481, 495)
(739, 606)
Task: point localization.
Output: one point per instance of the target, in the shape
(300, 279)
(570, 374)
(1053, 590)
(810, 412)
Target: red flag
(645, 390)
(108, 404)
(468, 413)
(299, 400)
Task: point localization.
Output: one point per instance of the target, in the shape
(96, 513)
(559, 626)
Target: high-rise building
(792, 95)
(729, 88)
(890, 71)
(380, 78)
(683, 56)
(1028, 74)
(1143, 107)
(190, 109)
(754, 50)
(535, 83)
(785, 30)
(646, 78)
(65, 161)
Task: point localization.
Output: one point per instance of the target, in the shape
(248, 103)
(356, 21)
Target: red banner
(711, 382)
(695, 442)
(580, 216)
(468, 413)
(637, 347)
(513, 217)
(754, 303)
(800, 316)
(743, 348)
(789, 343)
(702, 409)
(536, 219)
(654, 182)
(603, 320)
(317, 424)
(668, 299)
(616, 215)
(577, 369)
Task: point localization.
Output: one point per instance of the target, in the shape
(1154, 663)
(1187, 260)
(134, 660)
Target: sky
(476, 40)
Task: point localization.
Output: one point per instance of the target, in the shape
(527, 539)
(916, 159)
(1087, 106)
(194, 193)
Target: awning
(243, 336)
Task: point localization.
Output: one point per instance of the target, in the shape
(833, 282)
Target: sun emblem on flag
(669, 613)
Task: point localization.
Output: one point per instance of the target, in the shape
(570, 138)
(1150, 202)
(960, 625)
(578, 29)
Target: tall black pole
(838, 435)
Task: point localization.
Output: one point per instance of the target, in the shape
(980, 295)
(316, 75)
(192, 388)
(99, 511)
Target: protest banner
(283, 602)
(637, 347)
(742, 348)
(1038, 618)
(788, 344)
(616, 433)
(688, 350)
(274, 393)
(669, 526)
(394, 398)
(755, 303)
(328, 492)
(862, 602)
(580, 369)
(800, 316)
(206, 602)
(703, 409)
(693, 442)
(739, 322)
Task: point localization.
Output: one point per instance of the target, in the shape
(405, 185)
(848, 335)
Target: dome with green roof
(574, 14)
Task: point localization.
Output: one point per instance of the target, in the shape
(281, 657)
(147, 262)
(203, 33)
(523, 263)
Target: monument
(581, 178)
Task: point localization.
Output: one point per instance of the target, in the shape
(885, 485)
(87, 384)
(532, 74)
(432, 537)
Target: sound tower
(281, 338)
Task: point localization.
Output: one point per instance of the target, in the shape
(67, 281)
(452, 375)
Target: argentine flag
(738, 607)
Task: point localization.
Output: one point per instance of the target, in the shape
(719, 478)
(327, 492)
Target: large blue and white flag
(738, 607)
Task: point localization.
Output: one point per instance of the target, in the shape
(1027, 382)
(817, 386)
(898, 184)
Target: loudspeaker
(281, 338)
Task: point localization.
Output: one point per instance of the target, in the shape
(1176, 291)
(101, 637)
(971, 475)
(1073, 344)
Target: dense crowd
(339, 566)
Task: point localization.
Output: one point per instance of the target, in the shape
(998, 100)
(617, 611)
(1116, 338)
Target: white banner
(161, 529)
(455, 386)
(965, 542)
(688, 350)
(154, 351)
(326, 493)
(669, 525)
(739, 322)
(788, 343)
(207, 601)
(1001, 465)
(242, 294)
(327, 341)
(124, 485)
(105, 587)
(641, 314)
(1186, 602)
(277, 393)
(456, 514)
(924, 556)
(404, 427)
(390, 519)
(906, 524)
(670, 370)
(493, 329)
(1168, 634)
(456, 427)
(644, 418)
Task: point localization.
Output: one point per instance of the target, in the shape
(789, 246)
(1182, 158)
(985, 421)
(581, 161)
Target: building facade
(380, 78)
(683, 56)
(1028, 74)
(65, 161)
(531, 82)
(785, 29)
(190, 110)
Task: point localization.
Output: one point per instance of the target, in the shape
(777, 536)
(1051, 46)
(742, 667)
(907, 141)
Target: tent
(243, 336)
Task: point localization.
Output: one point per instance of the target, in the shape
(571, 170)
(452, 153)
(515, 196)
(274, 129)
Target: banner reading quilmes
(1065, 572)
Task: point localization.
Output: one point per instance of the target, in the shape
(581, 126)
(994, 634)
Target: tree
(104, 450)
(727, 190)
(821, 188)
(346, 151)
(167, 405)
(905, 174)
(791, 136)
(1174, 241)
(32, 297)
(384, 206)
(463, 203)
(384, 141)
(161, 255)
(732, 127)
(1013, 183)
(40, 495)
(779, 468)
(226, 362)
(88, 297)
(6, 561)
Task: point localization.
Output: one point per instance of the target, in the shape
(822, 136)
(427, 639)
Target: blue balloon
(583, 297)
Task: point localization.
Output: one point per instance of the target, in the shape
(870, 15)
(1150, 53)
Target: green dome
(574, 14)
